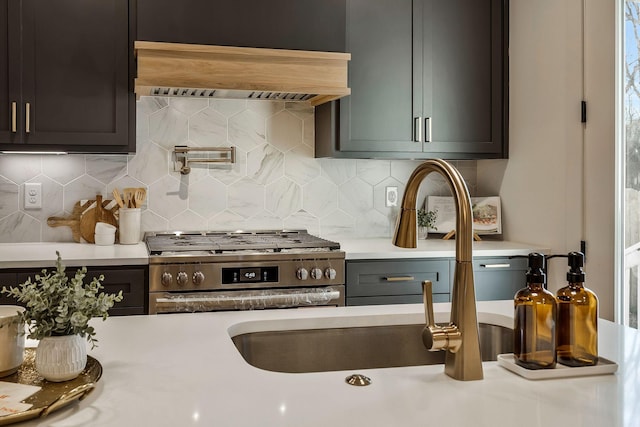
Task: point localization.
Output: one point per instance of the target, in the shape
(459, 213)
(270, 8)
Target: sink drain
(358, 380)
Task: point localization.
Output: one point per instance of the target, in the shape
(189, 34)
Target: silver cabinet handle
(417, 129)
(27, 117)
(495, 265)
(13, 117)
(399, 279)
(427, 126)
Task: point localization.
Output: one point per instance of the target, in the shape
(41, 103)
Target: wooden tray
(52, 396)
(604, 366)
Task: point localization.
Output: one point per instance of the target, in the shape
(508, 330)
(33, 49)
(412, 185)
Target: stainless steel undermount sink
(360, 347)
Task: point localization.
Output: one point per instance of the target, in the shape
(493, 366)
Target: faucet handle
(437, 337)
(427, 299)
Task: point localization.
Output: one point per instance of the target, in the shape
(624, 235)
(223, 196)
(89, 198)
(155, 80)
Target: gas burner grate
(237, 241)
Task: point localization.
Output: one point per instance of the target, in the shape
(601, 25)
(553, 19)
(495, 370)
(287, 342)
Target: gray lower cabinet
(373, 282)
(131, 280)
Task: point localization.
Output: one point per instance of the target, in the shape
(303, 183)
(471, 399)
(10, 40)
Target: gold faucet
(460, 337)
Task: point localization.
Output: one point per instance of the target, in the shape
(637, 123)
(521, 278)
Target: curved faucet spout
(463, 362)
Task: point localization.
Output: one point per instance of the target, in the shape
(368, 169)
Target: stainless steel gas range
(242, 270)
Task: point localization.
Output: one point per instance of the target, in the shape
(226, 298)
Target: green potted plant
(57, 312)
(426, 221)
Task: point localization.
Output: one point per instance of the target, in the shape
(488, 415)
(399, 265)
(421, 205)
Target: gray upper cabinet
(428, 79)
(67, 76)
(284, 24)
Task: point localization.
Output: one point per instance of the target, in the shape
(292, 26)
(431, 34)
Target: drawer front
(395, 299)
(132, 281)
(383, 278)
(6, 280)
(498, 278)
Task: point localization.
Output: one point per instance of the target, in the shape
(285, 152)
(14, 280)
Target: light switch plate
(33, 195)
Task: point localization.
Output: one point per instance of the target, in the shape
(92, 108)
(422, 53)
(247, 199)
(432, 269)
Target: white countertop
(431, 248)
(43, 255)
(183, 370)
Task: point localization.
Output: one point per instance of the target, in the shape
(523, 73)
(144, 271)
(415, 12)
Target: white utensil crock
(129, 226)
(11, 339)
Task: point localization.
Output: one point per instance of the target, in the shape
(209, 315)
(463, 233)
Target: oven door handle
(247, 300)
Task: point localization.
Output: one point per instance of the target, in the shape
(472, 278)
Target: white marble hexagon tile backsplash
(276, 182)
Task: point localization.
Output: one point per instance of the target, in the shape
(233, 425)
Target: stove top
(218, 242)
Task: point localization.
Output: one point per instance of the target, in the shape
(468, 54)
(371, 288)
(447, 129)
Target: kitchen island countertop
(184, 370)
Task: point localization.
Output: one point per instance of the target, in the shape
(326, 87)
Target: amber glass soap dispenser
(577, 318)
(535, 320)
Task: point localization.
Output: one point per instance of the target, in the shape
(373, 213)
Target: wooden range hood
(176, 69)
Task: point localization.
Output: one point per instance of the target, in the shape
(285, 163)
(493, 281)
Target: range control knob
(182, 278)
(316, 273)
(166, 279)
(302, 274)
(198, 278)
(330, 273)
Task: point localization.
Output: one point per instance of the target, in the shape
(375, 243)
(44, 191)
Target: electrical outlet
(391, 198)
(33, 195)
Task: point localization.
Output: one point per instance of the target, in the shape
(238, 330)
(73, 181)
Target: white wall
(541, 183)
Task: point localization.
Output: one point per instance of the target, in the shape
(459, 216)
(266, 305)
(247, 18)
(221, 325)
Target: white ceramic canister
(11, 339)
(129, 225)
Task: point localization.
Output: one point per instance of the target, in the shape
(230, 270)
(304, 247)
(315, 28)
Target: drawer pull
(13, 117)
(495, 265)
(399, 279)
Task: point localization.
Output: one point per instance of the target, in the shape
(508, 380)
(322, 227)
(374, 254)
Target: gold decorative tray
(52, 396)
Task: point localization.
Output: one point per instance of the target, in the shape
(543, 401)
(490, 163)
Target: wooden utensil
(117, 198)
(96, 213)
(72, 220)
(129, 194)
(139, 197)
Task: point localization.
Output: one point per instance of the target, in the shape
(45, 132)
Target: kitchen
(535, 56)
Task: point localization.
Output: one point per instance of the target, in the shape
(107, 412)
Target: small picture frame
(487, 216)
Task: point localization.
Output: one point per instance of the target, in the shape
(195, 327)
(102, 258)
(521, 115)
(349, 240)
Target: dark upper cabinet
(68, 80)
(285, 24)
(428, 79)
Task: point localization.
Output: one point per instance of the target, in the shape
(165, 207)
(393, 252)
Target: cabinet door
(284, 24)
(76, 85)
(463, 93)
(9, 70)
(378, 115)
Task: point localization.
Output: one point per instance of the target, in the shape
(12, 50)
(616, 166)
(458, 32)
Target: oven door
(176, 302)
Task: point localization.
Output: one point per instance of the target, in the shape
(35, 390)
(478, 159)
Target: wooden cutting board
(72, 220)
(98, 211)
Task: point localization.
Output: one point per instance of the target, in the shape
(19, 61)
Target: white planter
(423, 232)
(61, 358)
